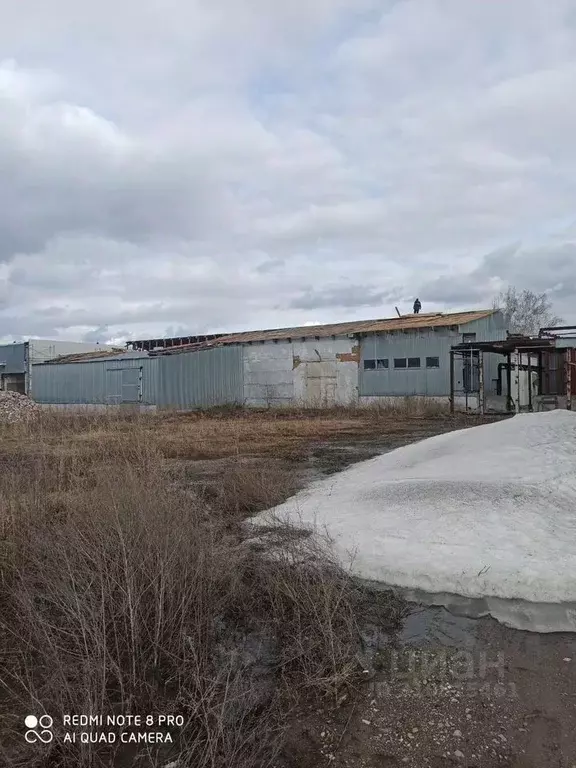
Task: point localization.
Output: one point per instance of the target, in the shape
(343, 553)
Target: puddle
(435, 626)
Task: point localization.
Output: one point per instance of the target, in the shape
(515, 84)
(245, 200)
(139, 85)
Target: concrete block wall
(268, 377)
(326, 371)
(311, 372)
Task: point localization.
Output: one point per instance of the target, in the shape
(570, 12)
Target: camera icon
(39, 729)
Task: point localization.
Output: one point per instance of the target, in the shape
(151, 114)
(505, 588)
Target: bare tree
(525, 311)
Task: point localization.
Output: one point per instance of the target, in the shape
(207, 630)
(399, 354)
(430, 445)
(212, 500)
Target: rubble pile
(16, 407)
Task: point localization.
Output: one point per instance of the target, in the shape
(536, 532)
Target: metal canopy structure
(541, 357)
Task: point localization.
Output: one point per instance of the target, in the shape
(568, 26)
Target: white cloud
(224, 166)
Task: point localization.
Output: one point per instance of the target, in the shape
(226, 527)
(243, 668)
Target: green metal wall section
(422, 380)
(187, 380)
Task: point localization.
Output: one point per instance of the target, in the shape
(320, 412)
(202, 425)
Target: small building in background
(313, 366)
(17, 359)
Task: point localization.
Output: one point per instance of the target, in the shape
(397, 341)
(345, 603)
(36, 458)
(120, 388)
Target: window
(372, 365)
(399, 362)
(468, 337)
(413, 362)
(432, 362)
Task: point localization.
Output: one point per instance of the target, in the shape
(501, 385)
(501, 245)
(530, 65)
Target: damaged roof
(83, 357)
(402, 323)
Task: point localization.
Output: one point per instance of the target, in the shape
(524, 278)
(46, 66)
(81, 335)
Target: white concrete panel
(268, 376)
(309, 372)
(341, 375)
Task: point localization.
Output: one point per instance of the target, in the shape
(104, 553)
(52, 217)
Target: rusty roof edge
(354, 327)
(364, 326)
(79, 357)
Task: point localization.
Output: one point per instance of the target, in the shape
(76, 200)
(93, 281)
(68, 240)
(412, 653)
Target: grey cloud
(345, 296)
(99, 334)
(173, 331)
(198, 165)
(269, 266)
(453, 290)
(550, 269)
(75, 174)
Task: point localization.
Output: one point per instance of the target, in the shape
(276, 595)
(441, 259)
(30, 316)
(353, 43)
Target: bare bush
(245, 488)
(120, 596)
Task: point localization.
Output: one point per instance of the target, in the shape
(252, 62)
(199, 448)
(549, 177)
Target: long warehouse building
(315, 366)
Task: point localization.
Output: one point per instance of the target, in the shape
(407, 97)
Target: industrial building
(315, 366)
(534, 374)
(17, 359)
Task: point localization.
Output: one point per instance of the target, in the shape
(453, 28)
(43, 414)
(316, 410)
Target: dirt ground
(470, 693)
(476, 694)
(455, 692)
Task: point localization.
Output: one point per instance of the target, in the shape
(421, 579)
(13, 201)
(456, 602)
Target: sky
(196, 166)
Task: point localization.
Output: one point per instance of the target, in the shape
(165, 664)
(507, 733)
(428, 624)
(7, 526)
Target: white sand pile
(483, 512)
(16, 407)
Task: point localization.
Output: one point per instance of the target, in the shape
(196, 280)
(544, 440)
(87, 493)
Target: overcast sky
(190, 166)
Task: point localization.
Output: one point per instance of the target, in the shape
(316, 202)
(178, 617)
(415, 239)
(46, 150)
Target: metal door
(124, 385)
(131, 385)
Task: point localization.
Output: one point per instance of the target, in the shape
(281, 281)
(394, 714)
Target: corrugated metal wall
(108, 382)
(190, 380)
(424, 381)
(201, 379)
(13, 358)
(431, 382)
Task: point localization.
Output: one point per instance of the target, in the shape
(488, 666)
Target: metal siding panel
(566, 342)
(113, 386)
(430, 382)
(75, 383)
(14, 358)
(201, 379)
(94, 382)
(486, 329)
(150, 386)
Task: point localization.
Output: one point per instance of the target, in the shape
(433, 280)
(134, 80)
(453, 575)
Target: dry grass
(219, 432)
(245, 488)
(119, 594)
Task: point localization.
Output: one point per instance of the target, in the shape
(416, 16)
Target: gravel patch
(16, 407)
